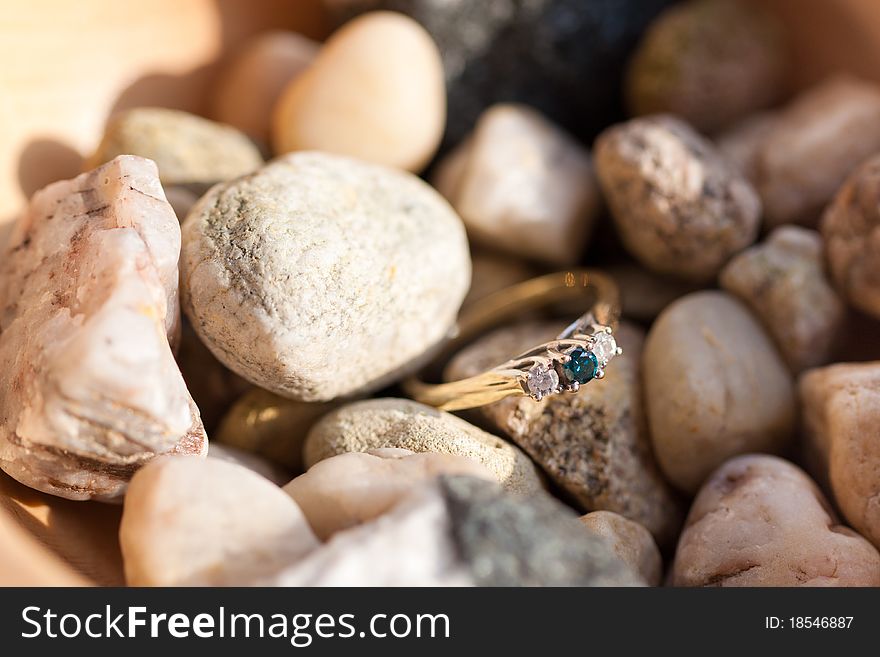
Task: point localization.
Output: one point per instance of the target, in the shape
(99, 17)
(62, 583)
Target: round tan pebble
(679, 206)
(274, 427)
(321, 276)
(207, 522)
(402, 423)
(349, 489)
(594, 445)
(375, 91)
(711, 62)
(522, 185)
(841, 406)
(631, 542)
(761, 521)
(186, 148)
(851, 228)
(250, 85)
(715, 387)
(783, 281)
(817, 140)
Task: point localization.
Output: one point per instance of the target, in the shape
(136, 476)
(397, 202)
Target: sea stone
(817, 141)
(761, 521)
(401, 423)
(88, 288)
(783, 281)
(321, 276)
(679, 206)
(349, 489)
(564, 57)
(632, 543)
(841, 406)
(187, 148)
(523, 186)
(250, 85)
(253, 462)
(213, 386)
(851, 228)
(715, 387)
(374, 91)
(464, 531)
(711, 62)
(594, 444)
(270, 426)
(193, 522)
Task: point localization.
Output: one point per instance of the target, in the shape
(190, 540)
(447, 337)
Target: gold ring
(578, 355)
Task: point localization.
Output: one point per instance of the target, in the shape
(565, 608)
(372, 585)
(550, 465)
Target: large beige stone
(783, 281)
(375, 91)
(680, 207)
(841, 406)
(321, 276)
(715, 387)
(523, 185)
(251, 83)
(851, 228)
(817, 140)
(88, 291)
(760, 521)
(194, 522)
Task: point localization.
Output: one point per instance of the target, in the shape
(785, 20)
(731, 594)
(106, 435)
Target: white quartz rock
(88, 290)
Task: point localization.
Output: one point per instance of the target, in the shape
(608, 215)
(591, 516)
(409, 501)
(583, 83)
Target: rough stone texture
(643, 295)
(88, 291)
(523, 186)
(258, 464)
(195, 522)
(563, 57)
(349, 489)
(715, 387)
(817, 141)
(741, 144)
(679, 206)
(374, 91)
(509, 541)
(263, 423)
(251, 83)
(186, 148)
(760, 521)
(711, 62)
(841, 406)
(321, 276)
(783, 281)
(401, 423)
(213, 387)
(851, 228)
(632, 543)
(492, 272)
(594, 444)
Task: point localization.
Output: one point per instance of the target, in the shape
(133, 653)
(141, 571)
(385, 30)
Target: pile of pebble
(728, 445)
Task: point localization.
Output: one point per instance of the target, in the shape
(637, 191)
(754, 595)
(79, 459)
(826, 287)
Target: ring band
(578, 355)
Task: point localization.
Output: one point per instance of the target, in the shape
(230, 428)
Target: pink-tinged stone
(88, 290)
(761, 521)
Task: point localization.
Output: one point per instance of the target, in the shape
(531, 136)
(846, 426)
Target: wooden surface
(66, 65)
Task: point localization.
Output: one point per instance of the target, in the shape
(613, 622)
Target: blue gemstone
(581, 367)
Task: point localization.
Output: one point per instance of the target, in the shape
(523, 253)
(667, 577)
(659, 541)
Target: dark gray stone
(508, 540)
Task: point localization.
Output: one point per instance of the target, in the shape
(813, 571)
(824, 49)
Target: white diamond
(542, 381)
(604, 347)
